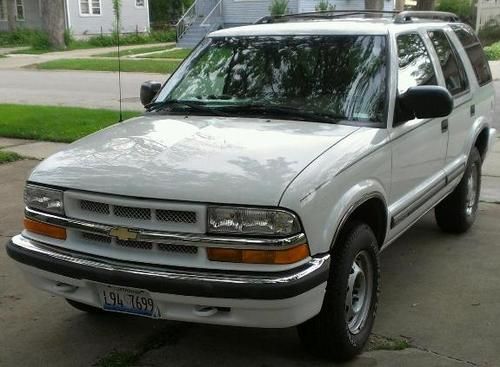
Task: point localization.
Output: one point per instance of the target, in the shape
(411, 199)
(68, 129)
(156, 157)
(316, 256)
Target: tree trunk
(400, 5)
(11, 15)
(425, 4)
(53, 22)
(374, 4)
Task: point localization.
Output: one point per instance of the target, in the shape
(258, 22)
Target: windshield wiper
(193, 105)
(281, 110)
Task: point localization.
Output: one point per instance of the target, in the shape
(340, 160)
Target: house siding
(238, 12)
(32, 17)
(132, 19)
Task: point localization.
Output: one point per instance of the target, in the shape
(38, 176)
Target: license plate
(126, 300)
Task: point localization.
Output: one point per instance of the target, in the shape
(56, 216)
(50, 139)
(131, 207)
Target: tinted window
(338, 76)
(415, 65)
(472, 46)
(453, 70)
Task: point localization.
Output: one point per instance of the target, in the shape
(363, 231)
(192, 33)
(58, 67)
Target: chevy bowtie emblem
(123, 234)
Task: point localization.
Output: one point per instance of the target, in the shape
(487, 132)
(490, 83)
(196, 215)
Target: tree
(53, 22)
(374, 4)
(11, 15)
(426, 4)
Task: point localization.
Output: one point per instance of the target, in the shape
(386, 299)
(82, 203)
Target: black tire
(456, 213)
(329, 334)
(84, 307)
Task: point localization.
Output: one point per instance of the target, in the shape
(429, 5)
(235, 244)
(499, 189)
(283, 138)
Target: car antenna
(117, 12)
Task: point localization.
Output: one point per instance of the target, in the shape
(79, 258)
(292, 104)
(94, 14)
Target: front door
(418, 145)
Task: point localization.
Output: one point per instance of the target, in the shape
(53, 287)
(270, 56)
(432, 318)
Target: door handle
(472, 110)
(444, 126)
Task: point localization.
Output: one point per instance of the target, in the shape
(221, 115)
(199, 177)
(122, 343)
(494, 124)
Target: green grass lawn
(135, 51)
(61, 124)
(145, 66)
(6, 157)
(180, 53)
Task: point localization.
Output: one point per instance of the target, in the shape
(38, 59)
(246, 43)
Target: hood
(192, 158)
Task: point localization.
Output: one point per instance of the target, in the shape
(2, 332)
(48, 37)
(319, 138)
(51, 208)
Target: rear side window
(472, 46)
(453, 69)
(415, 65)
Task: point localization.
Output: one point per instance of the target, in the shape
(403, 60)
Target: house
(207, 15)
(83, 17)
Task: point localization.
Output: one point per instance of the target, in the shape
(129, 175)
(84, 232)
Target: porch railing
(214, 19)
(185, 22)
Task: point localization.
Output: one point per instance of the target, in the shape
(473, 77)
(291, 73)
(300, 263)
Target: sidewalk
(16, 61)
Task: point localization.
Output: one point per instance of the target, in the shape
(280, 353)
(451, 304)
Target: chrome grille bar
(181, 239)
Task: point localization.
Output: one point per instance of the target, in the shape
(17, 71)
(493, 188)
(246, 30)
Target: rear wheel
(341, 330)
(458, 211)
(84, 307)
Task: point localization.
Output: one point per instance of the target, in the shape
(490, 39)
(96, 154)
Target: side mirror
(149, 90)
(423, 102)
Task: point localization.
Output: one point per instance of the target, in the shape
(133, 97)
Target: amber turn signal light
(277, 257)
(44, 229)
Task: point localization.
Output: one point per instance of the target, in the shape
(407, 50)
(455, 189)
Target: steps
(193, 35)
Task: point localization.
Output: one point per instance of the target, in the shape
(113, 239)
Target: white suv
(267, 174)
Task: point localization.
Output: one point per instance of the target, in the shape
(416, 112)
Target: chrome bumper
(171, 280)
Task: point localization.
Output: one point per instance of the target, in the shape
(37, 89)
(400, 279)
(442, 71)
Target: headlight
(245, 221)
(44, 199)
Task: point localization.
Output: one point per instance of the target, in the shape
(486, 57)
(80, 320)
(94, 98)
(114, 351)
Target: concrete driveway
(440, 294)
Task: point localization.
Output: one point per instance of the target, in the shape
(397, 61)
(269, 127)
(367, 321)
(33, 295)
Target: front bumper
(278, 299)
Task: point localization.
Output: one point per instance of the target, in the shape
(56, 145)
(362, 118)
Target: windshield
(341, 76)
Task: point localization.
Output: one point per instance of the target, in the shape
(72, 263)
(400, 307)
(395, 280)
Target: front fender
(323, 195)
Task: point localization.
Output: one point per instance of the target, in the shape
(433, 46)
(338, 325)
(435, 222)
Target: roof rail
(399, 17)
(326, 14)
(407, 16)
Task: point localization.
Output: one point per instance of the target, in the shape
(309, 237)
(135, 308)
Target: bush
(490, 32)
(132, 38)
(40, 41)
(21, 37)
(324, 5)
(493, 52)
(462, 8)
(278, 7)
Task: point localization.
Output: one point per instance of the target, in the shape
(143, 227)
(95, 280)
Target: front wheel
(342, 328)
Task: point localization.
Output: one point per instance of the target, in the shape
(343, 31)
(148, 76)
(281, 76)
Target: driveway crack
(428, 350)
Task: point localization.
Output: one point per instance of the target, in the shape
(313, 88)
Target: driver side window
(415, 64)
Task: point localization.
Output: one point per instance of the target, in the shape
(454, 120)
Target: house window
(90, 7)
(20, 9)
(139, 3)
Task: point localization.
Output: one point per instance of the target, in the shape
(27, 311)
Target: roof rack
(326, 14)
(397, 16)
(408, 16)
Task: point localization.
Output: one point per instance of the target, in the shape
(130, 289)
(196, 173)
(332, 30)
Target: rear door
(456, 81)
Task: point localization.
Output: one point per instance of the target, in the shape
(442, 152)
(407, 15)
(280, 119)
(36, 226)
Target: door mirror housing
(423, 102)
(149, 90)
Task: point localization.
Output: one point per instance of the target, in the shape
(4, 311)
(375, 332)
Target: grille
(132, 212)
(96, 238)
(178, 248)
(92, 206)
(135, 244)
(175, 216)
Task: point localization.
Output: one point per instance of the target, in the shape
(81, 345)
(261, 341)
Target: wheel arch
(371, 209)
(481, 142)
